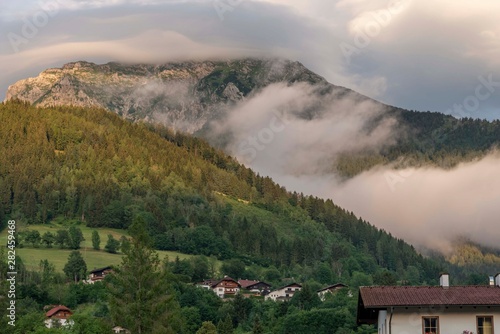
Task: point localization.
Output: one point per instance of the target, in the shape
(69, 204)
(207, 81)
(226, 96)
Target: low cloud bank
(286, 132)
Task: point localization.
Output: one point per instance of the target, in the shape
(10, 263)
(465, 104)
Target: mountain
(184, 95)
(198, 98)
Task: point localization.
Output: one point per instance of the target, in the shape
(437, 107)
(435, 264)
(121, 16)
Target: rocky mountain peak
(184, 95)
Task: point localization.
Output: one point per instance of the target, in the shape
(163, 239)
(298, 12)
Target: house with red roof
(59, 314)
(442, 309)
(223, 287)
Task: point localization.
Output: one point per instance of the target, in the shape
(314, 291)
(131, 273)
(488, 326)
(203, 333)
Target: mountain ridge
(194, 96)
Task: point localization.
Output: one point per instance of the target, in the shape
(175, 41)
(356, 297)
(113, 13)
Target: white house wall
(451, 320)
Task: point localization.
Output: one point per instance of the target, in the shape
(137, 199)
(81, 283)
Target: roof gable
(57, 309)
(250, 283)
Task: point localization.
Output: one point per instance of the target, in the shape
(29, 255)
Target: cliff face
(183, 95)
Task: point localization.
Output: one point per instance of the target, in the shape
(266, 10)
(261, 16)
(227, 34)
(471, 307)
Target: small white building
(440, 309)
(285, 293)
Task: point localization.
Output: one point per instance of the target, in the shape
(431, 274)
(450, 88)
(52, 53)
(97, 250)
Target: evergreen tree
(112, 245)
(76, 267)
(225, 326)
(140, 297)
(96, 240)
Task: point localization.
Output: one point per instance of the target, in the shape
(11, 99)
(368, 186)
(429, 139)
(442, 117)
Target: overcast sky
(419, 55)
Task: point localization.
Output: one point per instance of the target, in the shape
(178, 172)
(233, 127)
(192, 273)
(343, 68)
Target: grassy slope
(31, 256)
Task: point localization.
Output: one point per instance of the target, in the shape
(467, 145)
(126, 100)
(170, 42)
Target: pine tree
(76, 267)
(140, 298)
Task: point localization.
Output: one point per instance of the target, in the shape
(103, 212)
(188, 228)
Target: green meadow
(31, 257)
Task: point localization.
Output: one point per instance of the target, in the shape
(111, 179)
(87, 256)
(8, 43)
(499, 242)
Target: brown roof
(334, 286)
(56, 309)
(384, 296)
(246, 282)
(213, 283)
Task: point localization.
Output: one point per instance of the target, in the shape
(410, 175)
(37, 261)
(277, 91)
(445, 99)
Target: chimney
(444, 280)
(497, 280)
(492, 281)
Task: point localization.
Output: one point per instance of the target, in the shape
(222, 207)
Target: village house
(222, 288)
(254, 288)
(60, 314)
(431, 309)
(97, 275)
(331, 289)
(284, 293)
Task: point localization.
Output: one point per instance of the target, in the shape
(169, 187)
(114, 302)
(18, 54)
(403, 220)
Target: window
(430, 325)
(485, 325)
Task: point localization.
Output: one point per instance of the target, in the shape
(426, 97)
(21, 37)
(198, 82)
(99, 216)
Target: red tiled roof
(383, 296)
(56, 309)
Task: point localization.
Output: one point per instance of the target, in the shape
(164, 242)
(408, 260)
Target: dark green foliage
(124, 244)
(48, 239)
(385, 277)
(32, 237)
(112, 245)
(76, 268)
(204, 300)
(191, 315)
(257, 326)
(234, 268)
(75, 237)
(88, 324)
(225, 326)
(306, 298)
(140, 297)
(96, 240)
(62, 238)
(318, 321)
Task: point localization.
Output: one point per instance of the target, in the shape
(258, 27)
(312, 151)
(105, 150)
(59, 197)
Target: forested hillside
(94, 166)
(432, 139)
(89, 166)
